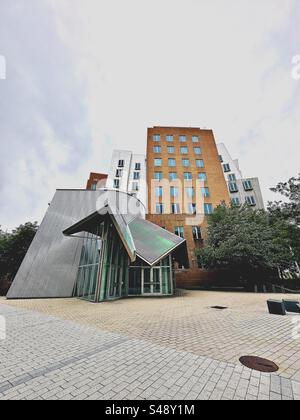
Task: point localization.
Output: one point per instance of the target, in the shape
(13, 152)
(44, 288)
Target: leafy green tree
(13, 248)
(246, 241)
(290, 208)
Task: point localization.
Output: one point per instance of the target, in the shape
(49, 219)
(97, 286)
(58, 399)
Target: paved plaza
(151, 348)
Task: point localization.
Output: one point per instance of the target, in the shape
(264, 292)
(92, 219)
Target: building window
(199, 163)
(157, 162)
(182, 139)
(175, 208)
(159, 208)
(156, 137)
(250, 200)
(184, 150)
(158, 191)
(195, 139)
(171, 149)
(232, 177)
(189, 192)
(235, 201)
(94, 186)
(136, 175)
(197, 233)
(158, 176)
(202, 176)
(185, 163)
(135, 186)
(226, 167)
(137, 166)
(208, 208)
(221, 158)
(174, 191)
(117, 183)
(247, 185)
(233, 188)
(205, 191)
(157, 149)
(172, 176)
(192, 208)
(169, 138)
(188, 176)
(179, 231)
(121, 164)
(119, 173)
(197, 150)
(172, 162)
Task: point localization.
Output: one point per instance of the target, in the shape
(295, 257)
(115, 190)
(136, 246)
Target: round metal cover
(257, 363)
(219, 307)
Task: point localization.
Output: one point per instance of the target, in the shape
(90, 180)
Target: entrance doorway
(151, 281)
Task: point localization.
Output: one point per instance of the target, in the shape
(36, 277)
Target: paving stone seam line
(36, 373)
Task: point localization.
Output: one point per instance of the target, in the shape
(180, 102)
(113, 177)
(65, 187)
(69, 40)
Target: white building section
(127, 173)
(242, 190)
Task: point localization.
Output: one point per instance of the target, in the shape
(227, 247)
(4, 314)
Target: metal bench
(276, 307)
(291, 306)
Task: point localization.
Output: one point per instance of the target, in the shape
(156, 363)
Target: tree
(288, 210)
(246, 241)
(13, 248)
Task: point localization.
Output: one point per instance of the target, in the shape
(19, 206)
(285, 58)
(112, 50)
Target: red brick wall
(94, 178)
(215, 181)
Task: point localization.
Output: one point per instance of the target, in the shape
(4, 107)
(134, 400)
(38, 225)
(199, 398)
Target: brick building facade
(184, 159)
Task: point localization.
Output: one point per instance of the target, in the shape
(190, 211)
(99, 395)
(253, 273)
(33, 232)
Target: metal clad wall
(50, 266)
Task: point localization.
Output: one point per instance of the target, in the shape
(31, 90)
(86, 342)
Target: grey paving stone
(50, 358)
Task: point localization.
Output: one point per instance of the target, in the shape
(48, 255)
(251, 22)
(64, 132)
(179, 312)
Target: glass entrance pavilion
(124, 255)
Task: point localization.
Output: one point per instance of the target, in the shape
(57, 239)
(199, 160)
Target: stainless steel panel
(50, 266)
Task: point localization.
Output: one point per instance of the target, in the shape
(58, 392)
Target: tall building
(127, 173)
(185, 183)
(242, 190)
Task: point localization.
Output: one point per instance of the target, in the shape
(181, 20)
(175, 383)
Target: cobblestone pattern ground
(46, 357)
(187, 323)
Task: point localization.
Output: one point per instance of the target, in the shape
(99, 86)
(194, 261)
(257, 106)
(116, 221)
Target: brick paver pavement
(168, 348)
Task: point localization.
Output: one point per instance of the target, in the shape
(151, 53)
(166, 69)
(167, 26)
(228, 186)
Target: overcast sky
(87, 76)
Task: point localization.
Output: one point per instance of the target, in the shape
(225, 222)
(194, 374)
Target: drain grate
(257, 363)
(219, 307)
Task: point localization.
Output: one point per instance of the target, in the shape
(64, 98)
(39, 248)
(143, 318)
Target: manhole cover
(257, 363)
(219, 307)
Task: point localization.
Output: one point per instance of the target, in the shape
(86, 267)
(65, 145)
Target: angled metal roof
(152, 242)
(140, 237)
(87, 224)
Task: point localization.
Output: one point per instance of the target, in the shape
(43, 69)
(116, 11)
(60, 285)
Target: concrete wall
(235, 169)
(127, 178)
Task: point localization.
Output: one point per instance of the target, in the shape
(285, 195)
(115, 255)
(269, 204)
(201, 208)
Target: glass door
(151, 281)
(156, 280)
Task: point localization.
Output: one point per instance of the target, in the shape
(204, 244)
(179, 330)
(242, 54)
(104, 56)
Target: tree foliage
(247, 241)
(290, 208)
(13, 247)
